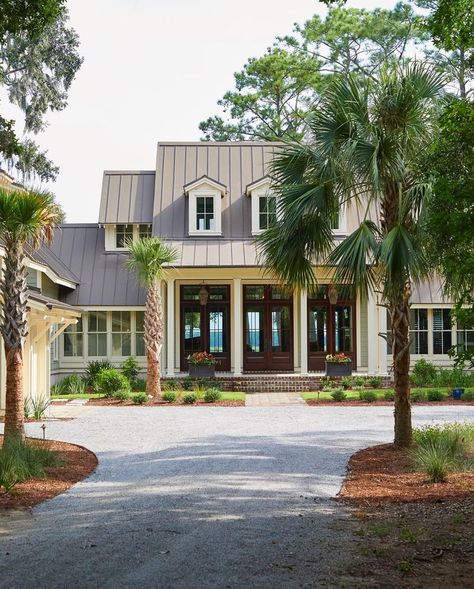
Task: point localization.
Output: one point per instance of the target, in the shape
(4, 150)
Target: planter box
(202, 370)
(457, 394)
(338, 368)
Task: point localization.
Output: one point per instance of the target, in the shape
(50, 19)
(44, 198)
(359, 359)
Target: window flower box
(338, 365)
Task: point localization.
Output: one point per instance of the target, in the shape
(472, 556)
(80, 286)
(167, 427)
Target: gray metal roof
(127, 197)
(45, 256)
(48, 301)
(224, 253)
(233, 164)
(103, 278)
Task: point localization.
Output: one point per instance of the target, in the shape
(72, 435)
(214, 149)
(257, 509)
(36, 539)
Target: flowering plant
(201, 358)
(341, 358)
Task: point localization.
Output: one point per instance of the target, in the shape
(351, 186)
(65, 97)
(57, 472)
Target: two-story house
(209, 200)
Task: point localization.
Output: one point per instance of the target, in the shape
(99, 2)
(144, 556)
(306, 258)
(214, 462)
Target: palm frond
(148, 258)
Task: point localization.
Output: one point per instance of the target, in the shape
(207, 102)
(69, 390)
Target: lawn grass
(354, 395)
(233, 396)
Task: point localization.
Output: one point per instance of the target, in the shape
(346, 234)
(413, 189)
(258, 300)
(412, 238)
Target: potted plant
(338, 365)
(202, 364)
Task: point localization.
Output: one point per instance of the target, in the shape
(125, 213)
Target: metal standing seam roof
(45, 256)
(127, 197)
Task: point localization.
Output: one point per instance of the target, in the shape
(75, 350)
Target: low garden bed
(227, 399)
(365, 396)
(74, 464)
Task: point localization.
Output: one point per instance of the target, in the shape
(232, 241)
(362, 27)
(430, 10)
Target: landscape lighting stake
(43, 427)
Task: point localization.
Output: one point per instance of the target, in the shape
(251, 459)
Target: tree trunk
(14, 410)
(401, 367)
(14, 330)
(153, 337)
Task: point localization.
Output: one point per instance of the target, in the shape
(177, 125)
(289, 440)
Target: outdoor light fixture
(43, 427)
(203, 295)
(332, 294)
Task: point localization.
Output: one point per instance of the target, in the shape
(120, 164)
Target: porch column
(237, 326)
(170, 326)
(304, 331)
(382, 343)
(372, 333)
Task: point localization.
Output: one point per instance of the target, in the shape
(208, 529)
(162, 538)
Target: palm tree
(148, 256)
(366, 139)
(27, 218)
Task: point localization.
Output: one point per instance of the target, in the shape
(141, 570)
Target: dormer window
(205, 196)
(123, 234)
(144, 231)
(264, 205)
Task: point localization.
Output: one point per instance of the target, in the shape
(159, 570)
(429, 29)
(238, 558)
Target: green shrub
(417, 396)
(468, 396)
(170, 385)
(200, 386)
(140, 398)
(338, 395)
(435, 395)
(121, 395)
(424, 373)
(346, 382)
(130, 369)
(39, 405)
(327, 384)
(435, 461)
(139, 385)
(26, 407)
(389, 395)
(367, 396)
(169, 396)
(110, 381)
(212, 395)
(189, 398)
(71, 385)
(23, 460)
(454, 378)
(187, 383)
(375, 381)
(93, 368)
(359, 382)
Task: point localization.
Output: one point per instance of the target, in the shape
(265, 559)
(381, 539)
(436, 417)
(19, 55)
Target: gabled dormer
(205, 206)
(263, 204)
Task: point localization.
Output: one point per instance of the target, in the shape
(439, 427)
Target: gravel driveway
(200, 498)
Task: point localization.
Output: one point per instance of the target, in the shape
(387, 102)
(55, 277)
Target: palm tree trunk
(14, 330)
(14, 410)
(401, 367)
(153, 338)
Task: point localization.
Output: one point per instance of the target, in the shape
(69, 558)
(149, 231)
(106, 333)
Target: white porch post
(237, 325)
(304, 331)
(372, 333)
(170, 326)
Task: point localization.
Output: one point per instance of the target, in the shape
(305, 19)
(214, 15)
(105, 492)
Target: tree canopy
(38, 61)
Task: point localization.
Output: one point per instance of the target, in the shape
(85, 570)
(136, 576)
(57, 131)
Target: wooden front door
(205, 327)
(268, 329)
(331, 328)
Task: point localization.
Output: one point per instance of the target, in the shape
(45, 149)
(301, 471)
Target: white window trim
(203, 191)
(342, 229)
(255, 196)
(111, 235)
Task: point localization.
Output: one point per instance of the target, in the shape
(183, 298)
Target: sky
(153, 69)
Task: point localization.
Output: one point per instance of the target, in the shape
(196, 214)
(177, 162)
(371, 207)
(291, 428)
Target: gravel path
(200, 497)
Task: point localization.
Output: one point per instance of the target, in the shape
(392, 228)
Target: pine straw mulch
(408, 533)
(77, 463)
(111, 402)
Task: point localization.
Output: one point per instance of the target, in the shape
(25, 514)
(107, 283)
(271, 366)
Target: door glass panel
(343, 329)
(279, 293)
(190, 293)
(254, 329)
(318, 329)
(280, 329)
(254, 293)
(217, 336)
(192, 331)
(218, 293)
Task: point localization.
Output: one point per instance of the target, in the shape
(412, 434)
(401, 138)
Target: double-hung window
(121, 333)
(267, 210)
(73, 340)
(123, 234)
(205, 219)
(419, 331)
(205, 206)
(97, 334)
(442, 334)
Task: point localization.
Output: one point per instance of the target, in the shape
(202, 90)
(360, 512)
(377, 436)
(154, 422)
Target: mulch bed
(383, 473)
(111, 402)
(77, 464)
(408, 533)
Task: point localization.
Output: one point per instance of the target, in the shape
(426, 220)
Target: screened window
(267, 210)
(139, 332)
(121, 333)
(32, 278)
(144, 231)
(419, 331)
(465, 339)
(97, 333)
(73, 340)
(205, 213)
(442, 340)
(123, 233)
